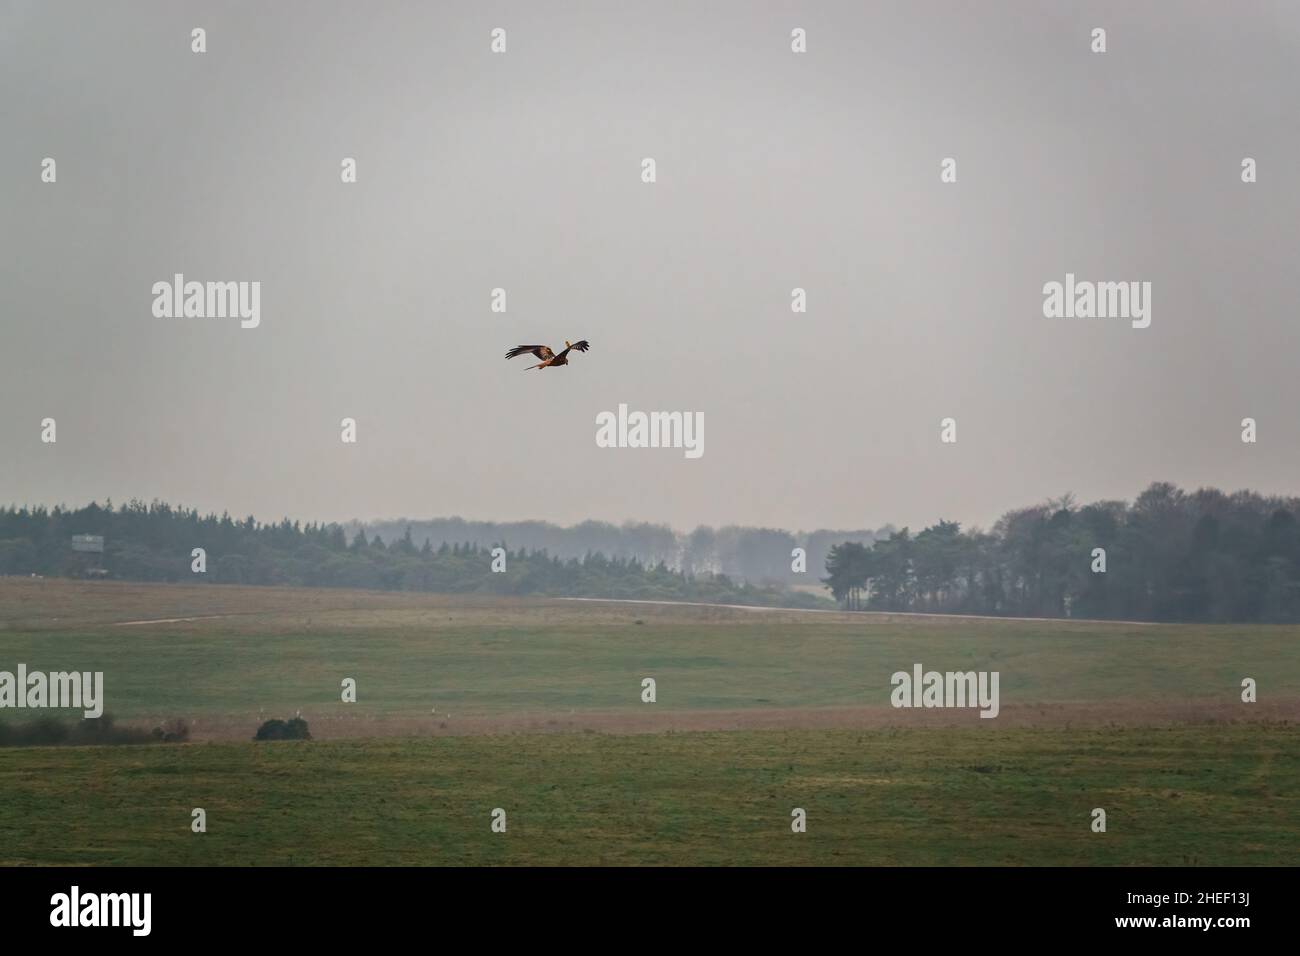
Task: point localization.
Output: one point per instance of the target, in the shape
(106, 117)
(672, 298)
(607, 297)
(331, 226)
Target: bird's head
(568, 344)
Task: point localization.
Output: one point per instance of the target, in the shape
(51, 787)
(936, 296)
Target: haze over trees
(155, 542)
(1171, 555)
(756, 555)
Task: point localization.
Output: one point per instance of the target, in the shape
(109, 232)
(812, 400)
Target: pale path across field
(819, 610)
(171, 620)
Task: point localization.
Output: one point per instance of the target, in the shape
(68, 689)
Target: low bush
(293, 729)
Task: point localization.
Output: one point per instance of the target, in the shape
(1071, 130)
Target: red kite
(548, 357)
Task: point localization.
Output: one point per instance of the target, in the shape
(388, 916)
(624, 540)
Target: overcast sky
(522, 170)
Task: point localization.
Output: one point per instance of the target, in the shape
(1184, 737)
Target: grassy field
(1144, 721)
(274, 652)
(1206, 796)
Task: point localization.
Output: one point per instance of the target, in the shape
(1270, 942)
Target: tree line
(155, 542)
(1170, 555)
(756, 555)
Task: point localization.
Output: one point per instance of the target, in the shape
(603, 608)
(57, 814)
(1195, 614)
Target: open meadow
(466, 704)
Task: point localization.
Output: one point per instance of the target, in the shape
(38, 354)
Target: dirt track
(650, 721)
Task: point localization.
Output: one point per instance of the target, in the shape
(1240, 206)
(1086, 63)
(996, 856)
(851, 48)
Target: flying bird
(548, 358)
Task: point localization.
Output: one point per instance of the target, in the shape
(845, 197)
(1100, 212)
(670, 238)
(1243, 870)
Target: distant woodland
(1169, 555)
(156, 541)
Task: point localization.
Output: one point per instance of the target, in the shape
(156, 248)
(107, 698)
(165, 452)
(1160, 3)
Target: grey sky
(522, 170)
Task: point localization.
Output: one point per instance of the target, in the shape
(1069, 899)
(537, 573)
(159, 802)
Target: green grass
(1202, 793)
(504, 658)
(1213, 795)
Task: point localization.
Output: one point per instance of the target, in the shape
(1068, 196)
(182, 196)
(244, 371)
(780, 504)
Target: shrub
(49, 731)
(294, 729)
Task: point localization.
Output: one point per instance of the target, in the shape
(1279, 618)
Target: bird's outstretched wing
(581, 346)
(543, 352)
